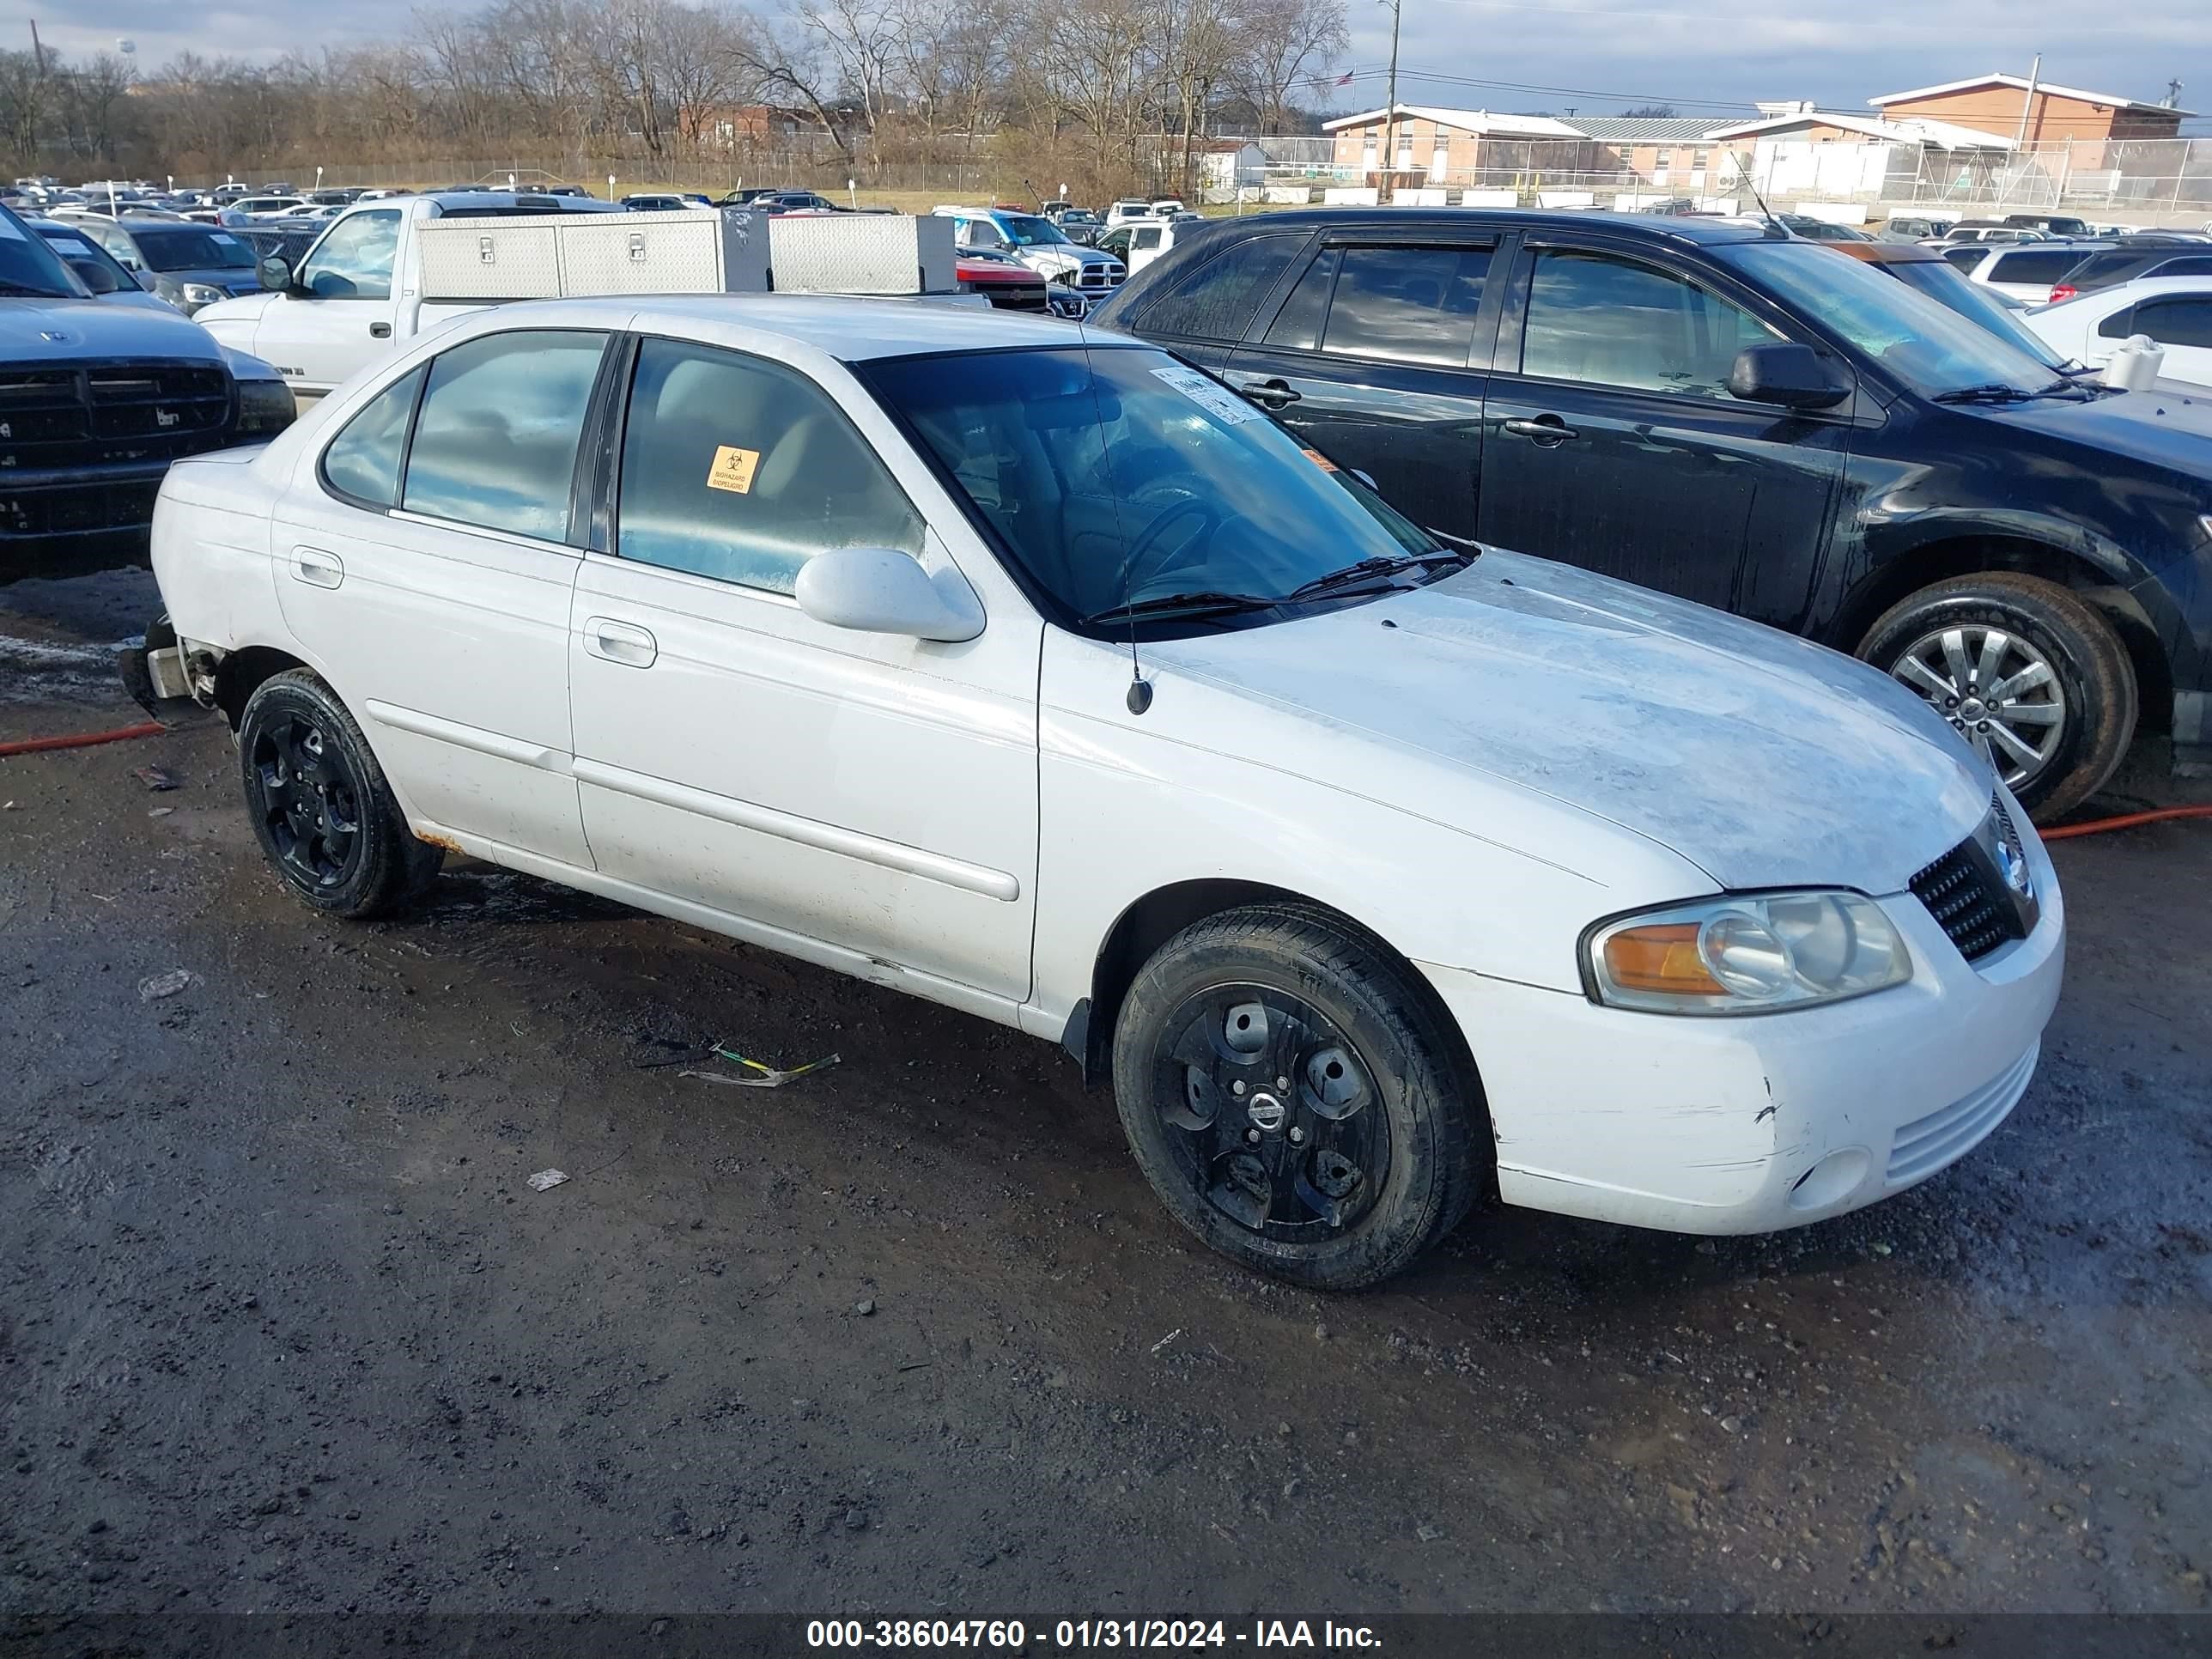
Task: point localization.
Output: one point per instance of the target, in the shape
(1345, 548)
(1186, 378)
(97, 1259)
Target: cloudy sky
(1593, 56)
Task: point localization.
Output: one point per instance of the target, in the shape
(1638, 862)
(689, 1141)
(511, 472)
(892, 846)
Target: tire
(320, 806)
(1345, 1177)
(2079, 722)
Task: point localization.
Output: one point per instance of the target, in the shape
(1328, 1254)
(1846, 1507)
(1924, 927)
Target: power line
(1729, 105)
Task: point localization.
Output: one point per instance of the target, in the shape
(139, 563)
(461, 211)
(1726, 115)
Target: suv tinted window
(2034, 264)
(2182, 319)
(1612, 322)
(363, 462)
(742, 470)
(1215, 302)
(1966, 257)
(1413, 304)
(495, 443)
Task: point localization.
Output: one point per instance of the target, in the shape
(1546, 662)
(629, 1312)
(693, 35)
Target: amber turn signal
(1662, 958)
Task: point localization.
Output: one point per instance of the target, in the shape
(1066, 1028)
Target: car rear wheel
(2029, 675)
(1289, 1090)
(321, 808)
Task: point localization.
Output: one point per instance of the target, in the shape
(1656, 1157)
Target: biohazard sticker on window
(1215, 400)
(733, 469)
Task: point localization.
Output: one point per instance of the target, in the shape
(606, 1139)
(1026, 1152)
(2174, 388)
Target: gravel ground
(283, 1327)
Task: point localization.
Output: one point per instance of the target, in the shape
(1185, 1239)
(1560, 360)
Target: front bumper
(1756, 1123)
(73, 520)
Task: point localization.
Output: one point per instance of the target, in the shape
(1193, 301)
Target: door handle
(620, 643)
(1271, 394)
(316, 567)
(1546, 431)
(379, 331)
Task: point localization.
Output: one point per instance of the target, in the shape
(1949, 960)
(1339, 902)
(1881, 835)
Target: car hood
(1763, 759)
(243, 312)
(2168, 425)
(37, 330)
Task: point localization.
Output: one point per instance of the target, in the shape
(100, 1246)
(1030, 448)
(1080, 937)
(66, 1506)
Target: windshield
(94, 265)
(191, 249)
(29, 269)
(1116, 475)
(1947, 286)
(1929, 347)
(1027, 230)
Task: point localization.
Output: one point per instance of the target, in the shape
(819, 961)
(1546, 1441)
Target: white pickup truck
(359, 288)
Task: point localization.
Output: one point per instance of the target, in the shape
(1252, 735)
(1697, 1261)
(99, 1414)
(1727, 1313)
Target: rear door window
(1414, 304)
(363, 463)
(496, 442)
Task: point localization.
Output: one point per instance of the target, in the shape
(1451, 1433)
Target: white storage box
(861, 254)
(550, 257)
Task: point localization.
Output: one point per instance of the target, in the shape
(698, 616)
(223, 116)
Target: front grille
(1965, 892)
(1097, 276)
(1019, 297)
(82, 414)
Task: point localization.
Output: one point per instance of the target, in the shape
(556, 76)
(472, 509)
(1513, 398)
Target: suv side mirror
(275, 275)
(148, 280)
(881, 590)
(1787, 374)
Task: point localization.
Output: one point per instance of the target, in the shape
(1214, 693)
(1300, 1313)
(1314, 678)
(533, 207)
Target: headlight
(1746, 955)
(264, 408)
(202, 294)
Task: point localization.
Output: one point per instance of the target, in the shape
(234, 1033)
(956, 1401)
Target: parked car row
(1734, 415)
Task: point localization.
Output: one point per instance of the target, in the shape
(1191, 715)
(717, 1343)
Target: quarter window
(363, 462)
(1608, 322)
(742, 470)
(1215, 302)
(495, 443)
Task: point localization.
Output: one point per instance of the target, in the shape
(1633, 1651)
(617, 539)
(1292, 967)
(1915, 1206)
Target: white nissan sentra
(1032, 672)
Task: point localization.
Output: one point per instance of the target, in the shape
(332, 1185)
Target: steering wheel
(1189, 507)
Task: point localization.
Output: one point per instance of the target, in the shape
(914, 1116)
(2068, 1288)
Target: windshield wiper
(1205, 602)
(1997, 392)
(1377, 568)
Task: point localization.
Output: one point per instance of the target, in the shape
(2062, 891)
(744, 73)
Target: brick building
(2053, 113)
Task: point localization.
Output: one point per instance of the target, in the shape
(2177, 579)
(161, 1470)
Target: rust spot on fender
(445, 841)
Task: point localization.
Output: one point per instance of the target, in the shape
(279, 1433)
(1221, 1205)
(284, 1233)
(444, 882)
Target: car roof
(2162, 285)
(1682, 227)
(851, 331)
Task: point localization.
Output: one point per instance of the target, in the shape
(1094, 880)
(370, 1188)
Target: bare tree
(1282, 46)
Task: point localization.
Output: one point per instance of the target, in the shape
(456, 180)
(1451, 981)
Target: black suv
(1756, 421)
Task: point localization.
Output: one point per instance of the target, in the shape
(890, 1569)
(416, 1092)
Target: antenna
(1140, 688)
(1764, 211)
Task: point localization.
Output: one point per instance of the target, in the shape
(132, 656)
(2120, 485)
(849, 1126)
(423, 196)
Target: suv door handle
(1546, 431)
(1270, 394)
(316, 567)
(620, 643)
(379, 331)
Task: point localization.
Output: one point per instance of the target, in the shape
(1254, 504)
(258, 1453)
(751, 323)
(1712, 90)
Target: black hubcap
(1274, 1117)
(309, 799)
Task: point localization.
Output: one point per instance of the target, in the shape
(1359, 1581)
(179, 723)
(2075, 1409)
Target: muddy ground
(283, 1327)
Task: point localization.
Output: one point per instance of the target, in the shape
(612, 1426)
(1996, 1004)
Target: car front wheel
(320, 806)
(2028, 674)
(1290, 1089)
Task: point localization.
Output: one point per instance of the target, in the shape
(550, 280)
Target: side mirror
(148, 280)
(275, 275)
(1787, 374)
(881, 590)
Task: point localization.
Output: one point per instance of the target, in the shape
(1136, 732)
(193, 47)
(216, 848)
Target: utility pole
(38, 52)
(2020, 138)
(1390, 100)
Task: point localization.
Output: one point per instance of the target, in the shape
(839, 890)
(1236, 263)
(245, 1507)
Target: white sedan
(1032, 672)
(2176, 312)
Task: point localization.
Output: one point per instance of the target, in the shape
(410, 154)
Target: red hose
(2127, 821)
(37, 746)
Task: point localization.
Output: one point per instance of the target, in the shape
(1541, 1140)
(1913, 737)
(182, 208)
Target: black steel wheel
(320, 806)
(1290, 1089)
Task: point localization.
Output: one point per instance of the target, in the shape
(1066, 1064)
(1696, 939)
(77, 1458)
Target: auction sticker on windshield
(1215, 400)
